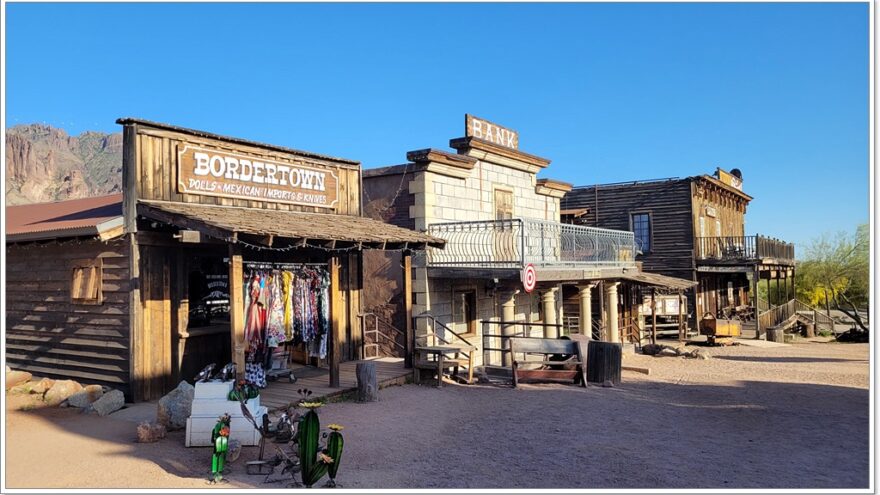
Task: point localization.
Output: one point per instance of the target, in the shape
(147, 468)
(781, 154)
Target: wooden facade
(113, 299)
(50, 335)
(697, 232)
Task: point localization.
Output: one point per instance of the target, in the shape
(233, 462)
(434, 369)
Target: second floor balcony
(743, 249)
(517, 242)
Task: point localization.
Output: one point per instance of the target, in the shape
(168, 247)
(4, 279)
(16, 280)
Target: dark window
(641, 226)
(464, 310)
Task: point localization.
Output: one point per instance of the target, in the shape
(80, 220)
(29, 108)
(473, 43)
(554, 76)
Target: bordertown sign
(488, 131)
(224, 174)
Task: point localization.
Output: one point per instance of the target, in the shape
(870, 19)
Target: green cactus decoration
(313, 467)
(334, 450)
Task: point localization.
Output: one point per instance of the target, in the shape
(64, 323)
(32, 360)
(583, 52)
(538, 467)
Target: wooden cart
(713, 328)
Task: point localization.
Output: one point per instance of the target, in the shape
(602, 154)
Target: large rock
(42, 386)
(15, 378)
(86, 396)
(175, 408)
(150, 432)
(110, 402)
(60, 391)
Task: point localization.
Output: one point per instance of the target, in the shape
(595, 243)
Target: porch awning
(278, 228)
(658, 280)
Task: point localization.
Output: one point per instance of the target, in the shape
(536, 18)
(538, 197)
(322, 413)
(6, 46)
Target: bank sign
(488, 131)
(224, 174)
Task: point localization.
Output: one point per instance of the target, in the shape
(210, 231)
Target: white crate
(199, 428)
(216, 407)
(213, 390)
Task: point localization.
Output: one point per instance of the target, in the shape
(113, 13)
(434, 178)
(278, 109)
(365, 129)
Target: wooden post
(682, 328)
(407, 298)
(334, 346)
(367, 383)
(757, 278)
(654, 316)
(236, 310)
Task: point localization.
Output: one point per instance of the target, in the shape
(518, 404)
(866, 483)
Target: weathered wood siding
(49, 336)
(728, 208)
(668, 203)
(155, 173)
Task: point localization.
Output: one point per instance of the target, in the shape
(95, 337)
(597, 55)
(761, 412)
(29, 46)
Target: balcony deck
(507, 246)
(743, 251)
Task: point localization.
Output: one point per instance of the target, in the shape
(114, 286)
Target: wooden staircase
(446, 357)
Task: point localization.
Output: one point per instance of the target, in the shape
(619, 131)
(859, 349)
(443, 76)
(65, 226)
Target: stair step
(447, 363)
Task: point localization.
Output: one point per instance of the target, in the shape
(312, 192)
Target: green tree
(835, 272)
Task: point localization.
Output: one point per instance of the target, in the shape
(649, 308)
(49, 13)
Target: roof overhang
(280, 229)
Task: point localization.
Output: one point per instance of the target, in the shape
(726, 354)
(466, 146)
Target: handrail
(434, 323)
(375, 331)
(819, 318)
(777, 315)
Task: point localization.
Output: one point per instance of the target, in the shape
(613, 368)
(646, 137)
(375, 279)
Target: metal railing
(742, 248)
(373, 337)
(516, 242)
(431, 337)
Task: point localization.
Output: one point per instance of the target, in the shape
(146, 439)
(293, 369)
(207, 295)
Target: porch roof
(658, 280)
(290, 228)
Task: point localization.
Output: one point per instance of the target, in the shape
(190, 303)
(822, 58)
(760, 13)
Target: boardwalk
(279, 394)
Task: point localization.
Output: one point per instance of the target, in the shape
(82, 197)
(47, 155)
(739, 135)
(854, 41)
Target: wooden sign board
(730, 179)
(225, 174)
(488, 131)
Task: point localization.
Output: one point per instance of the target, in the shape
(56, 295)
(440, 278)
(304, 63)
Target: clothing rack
(276, 264)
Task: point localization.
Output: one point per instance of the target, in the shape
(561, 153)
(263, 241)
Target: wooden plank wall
(156, 174)
(47, 335)
(152, 350)
(668, 203)
(729, 208)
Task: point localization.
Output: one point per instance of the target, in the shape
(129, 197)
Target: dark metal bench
(566, 353)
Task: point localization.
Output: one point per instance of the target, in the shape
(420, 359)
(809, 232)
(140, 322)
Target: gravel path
(784, 417)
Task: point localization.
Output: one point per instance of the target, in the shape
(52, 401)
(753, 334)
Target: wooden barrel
(603, 362)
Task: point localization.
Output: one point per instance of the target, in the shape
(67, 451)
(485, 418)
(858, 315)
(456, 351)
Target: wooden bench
(561, 349)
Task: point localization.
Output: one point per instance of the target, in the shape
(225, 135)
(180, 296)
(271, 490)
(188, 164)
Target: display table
(209, 403)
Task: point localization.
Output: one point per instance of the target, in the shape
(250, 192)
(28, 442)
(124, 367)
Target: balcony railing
(517, 242)
(743, 248)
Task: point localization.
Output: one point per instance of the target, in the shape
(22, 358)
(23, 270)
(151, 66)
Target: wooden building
(140, 290)
(498, 219)
(691, 228)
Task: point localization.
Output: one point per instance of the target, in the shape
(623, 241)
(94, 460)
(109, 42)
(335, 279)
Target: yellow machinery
(713, 328)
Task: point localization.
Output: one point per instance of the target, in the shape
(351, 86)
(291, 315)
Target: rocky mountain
(44, 163)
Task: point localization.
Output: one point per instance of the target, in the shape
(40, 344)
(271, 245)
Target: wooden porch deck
(281, 393)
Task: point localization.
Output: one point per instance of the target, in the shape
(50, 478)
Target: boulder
(42, 386)
(110, 402)
(176, 407)
(86, 396)
(60, 391)
(15, 378)
(150, 432)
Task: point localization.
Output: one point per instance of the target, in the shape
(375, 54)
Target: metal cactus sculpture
(334, 451)
(314, 462)
(220, 444)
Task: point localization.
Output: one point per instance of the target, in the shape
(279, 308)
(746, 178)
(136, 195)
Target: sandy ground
(750, 417)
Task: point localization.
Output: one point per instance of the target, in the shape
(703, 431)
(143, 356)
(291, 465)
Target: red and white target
(529, 277)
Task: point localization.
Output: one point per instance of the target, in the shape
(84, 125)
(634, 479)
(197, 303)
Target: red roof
(71, 218)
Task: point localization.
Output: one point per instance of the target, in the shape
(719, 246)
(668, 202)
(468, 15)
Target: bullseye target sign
(529, 277)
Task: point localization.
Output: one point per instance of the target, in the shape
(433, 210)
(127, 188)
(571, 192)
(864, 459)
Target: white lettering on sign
(488, 131)
(218, 173)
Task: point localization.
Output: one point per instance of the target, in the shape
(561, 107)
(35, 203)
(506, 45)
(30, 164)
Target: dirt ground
(792, 416)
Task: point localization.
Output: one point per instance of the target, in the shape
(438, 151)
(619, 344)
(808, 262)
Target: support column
(508, 315)
(236, 310)
(407, 302)
(585, 320)
(613, 333)
(548, 301)
(757, 280)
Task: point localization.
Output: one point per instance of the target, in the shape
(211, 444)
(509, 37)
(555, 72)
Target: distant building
(692, 228)
(497, 219)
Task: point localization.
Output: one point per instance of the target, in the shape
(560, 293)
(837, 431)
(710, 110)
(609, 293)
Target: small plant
(826, 333)
(243, 391)
(315, 460)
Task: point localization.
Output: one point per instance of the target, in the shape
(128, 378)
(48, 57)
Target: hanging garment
(255, 374)
(286, 294)
(255, 317)
(275, 326)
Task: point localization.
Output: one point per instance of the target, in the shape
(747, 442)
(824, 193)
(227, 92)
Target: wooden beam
(337, 308)
(236, 310)
(135, 322)
(654, 316)
(129, 179)
(184, 222)
(407, 298)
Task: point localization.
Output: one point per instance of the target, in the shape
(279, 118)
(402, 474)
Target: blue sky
(609, 92)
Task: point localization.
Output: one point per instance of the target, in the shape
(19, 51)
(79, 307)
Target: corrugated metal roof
(71, 218)
(659, 280)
